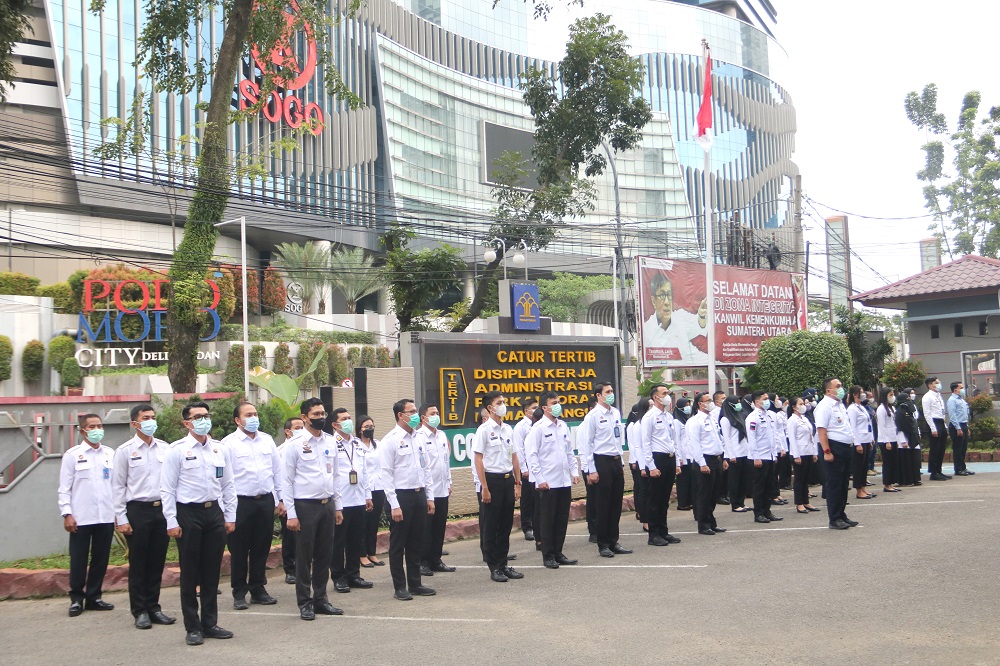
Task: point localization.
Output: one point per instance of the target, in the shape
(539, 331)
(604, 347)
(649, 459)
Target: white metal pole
(614, 288)
(246, 316)
(709, 258)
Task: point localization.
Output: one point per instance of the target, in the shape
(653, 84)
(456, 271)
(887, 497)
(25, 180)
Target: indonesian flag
(702, 134)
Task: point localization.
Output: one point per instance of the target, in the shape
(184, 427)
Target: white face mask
(500, 410)
(664, 401)
(864, 396)
(801, 409)
(892, 400)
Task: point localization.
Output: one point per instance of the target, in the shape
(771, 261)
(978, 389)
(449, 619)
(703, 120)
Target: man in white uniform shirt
(673, 330)
(705, 440)
(661, 460)
(836, 440)
(435, 444)
(762, 450)
(933, 409)
(257, 474)
(529, 495)
(292, 426)
(355, 500)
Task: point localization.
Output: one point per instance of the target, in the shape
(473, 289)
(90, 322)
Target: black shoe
(422, 591)
(657, 541)
(158, 617)
(939, 477)
(240, 603)
(538, 546)
(290, 579)
(593, 538)
(142, 621)
(605, 552)
(786, 487)
(686, 507)
(262, 598)
(75, 608)
(426, 571)
(529, 535)
(562, 559)
(217, 632)
(497, 576)
(510, 558)
(326, 608)
(851, 523)
(441, 567)
(707, 532)
(671, 538)
(839, 525)
(811, 508)
(307, 612)
(779, 502)
(969, 472)
(718, 530)
(618, 549)
(761, 519)
(341, 586)
(402, 595)
(99, 605)
(445, 553)
(550, 563)
(513, 574)
(963, 473)
(360, 583)
(194, 638)
(724, 501)
(773, 518)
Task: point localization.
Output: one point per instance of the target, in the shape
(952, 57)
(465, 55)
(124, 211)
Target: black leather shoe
(969, 472)
(497, 576)
(706, 532)
(513, 574)
(963, 473)
(290, 579)
(605, 552)
(761, 519)
(718, 530)
(360, 583)
(550, 563)
(307, 612)
(326, 608)
(510, 558)
(99, 605)
(341, 586)
(426, 571)
(562, 559)
(441, 567)
(939, 477)
(529, 535)
(657, 541)
(422, 591)
(538, 546)
(159, 617)
(445, 553)
(812, 508)
(194, 638)
(75, 608)
(839, 525)
(671, 538)
(618, 549)
(263, 598)
(724, 501)
(217, 632)
(240, 603)
(402, 595)
(773, 518)
(142, 621)
(593, 538)
(851, 523)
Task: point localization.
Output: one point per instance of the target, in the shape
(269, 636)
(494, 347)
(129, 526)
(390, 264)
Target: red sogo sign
(283, 104)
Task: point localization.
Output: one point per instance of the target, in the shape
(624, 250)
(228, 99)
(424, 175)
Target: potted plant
(72, 377)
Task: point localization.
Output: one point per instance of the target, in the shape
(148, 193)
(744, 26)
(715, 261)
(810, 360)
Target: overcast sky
(853, 64)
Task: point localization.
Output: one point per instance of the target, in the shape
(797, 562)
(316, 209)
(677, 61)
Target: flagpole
(709, 247)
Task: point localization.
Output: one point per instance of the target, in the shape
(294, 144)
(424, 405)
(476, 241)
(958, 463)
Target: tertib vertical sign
(454, 397)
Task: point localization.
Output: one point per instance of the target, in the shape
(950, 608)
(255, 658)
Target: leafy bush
(899, 375)
(383, 359)
(72, 375)
(337, 367)
(61, 295)
(354, 357)
(983, 429)
(253, 288)
(981, 404)
(258, 357)
(788, 364)
(562, 296)
(18, 284)
(368, 357)
(274, 294)
(75, 282)
(233, 378)
(6, 357)
(32, 361)
(282, 332)
(146, 370)
(283, 364)
(272, 418)
(307, 353)
(61, 348)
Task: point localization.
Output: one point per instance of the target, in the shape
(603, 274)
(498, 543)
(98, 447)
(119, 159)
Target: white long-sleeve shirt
(520, 432)
(136, 473)
(405, 465)
(439, 453)
(735, 445)
(703, 437)
(85, 484)
(373, 469)
(196, 472)
(886, 421)
(933, 408)
(311, 470)
(351, 457)
(657, 435)
(255, 463)
(679, 430)
(550, 453)
(861, 424)
(780, 436)
(801, 438)
(601, 434)
(760, 436)
(633, 435)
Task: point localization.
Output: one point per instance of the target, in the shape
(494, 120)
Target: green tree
(562, 296)
(33, 361)
(788, 364)
(72, 375)
(354, 275)
(416, 279)
(867, 358)
(14, 26)
(232, 379)
(6, 357)
(60, 348)
(899, 375)
(308, 264)
(283, 364)
(543, 8)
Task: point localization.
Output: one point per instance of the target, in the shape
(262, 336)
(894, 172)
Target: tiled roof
(970, 273)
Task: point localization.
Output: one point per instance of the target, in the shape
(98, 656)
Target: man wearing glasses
(668, 332)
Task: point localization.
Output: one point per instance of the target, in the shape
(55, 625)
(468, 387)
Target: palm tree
(307, 264)
(353, 274)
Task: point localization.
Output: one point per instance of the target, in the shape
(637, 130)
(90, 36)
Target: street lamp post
(491, 254)
(246, 325)
(522, 257)
(618, 265)
(10, 237)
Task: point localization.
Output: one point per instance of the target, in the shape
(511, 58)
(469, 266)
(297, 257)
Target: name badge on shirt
(405, 450)
(136, 461)
(106, 473)
(82, 464)
(618, 431)
(218, 472)
(353, 478)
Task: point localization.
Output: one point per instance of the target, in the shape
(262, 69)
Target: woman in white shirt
(686, 482)
(801, 435)
(734, 445)
(373, 472)
(860, 422)
(636, 460)
(885, 419)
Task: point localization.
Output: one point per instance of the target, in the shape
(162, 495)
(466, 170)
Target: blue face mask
(253, 423)
(840, 393)
(687, 409)
(147, 428)
(766, 405)
(434, 421)
(961, 392)
(610, 399)
(347, 426)
(201, 426)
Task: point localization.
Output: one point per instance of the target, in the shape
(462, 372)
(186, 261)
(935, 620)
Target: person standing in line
(687, 481)
(933, 409)
(869, 403)
(292, 426)
(783, 465)
(312, 500)
(801, 435)
(495, 461)
(406, 478)
(484, 417)
(885, 420)
(908, 430)
(661, 461)
(355, 502)
(958, 428)
(600, 443)
(554, 467)
(861, 427)
(193, 479)
(590, 499)
(87, 508)
(637, 462)
(373, 472)
(253, 460)
(836, 441)
(761, 452)
(718, 398)
(705, 443)
(732, 423)
(135, 487)
(528, 492)
(435, 444)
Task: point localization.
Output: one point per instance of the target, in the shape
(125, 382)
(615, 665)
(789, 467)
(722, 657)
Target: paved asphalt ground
(915, 583)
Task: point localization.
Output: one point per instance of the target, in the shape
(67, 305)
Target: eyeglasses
(663, 295)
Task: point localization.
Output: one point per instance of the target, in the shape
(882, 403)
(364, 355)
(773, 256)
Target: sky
(852, 64)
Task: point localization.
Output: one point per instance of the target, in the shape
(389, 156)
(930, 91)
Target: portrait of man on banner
(671, 333)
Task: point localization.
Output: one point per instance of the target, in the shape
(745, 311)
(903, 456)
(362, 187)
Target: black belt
(409, 490)
(199, 505)
(833, 441)
(499, 475)
(314, 501)
(605, 455)
(669, 455)
(255, 497)
(157, 503)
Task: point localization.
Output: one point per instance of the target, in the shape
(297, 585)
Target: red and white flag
(702, 134)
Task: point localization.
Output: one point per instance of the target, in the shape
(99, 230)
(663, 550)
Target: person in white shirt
(554, 468)
(87, 508)
(885, 418)
(406, 478)
(529, 495)
(637, 461)
(933, 409)
(762, 450)
(435, 443)
(670, 331)
(718, 398)
(783, 464)
(253, 459)
(373, 470)
(292, 426)
(135, 486)
(600, 440)
(837, 443)
(801, 435)
(687, 479)
(661, 460)
(705, 444)
(732, 423)
(355, 502)
(860, 421)
(199, 503)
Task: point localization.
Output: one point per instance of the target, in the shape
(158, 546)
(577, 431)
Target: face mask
(95, 436)
(147, 428)
(738, 407)
(557, 410)
(913, 397)
(892, 400)
(686, 409)
(840, 393)
(201, 426)
(777, 403)
(961, 392)
(347, 426)
(711, 406)
(801, 409)
(413, 421)
(253, 423)
(368, 433)
(610, 399)
(766, 405)
(317, 424)
(937, 387)
(434, 421)
(864, 396)
(664, 401)
(500, 410)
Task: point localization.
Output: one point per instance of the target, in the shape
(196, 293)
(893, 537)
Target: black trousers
(859, 465)
(554, 516)
(498, 519)
(406, 538)
(93, 543)
(250, 544)
(529, 497)
(723, 485)
(200, 547)
(313, 550)
(687, 486)
(801, 487)
(147, 551)
(608, 493)
(765, 486)
(890, 457)
(659, 493)
(639, 492)
(373, 519)
(287, 547)
(708, 490)
(837, 475)
(935, 459)
(783, 467)
(348, 544)
(434, 536)
(959, 445)
(740, 482)
(591, 506)
(536, 518)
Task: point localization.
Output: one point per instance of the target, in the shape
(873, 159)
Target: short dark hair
(657, 281)
(529, 401)
(827, 382)
(308, 404)
(288, 422)
(83, 418)
(239, 408)
(698, 396)
(717, 394)
(929, 381)
(654, 387)
(756, 395)
(544, 398)
(423, 409)
(955, 385)
(599, 387)
(490, 396)
(139, 409)
(186, 412)
(337, 412)
(399, 406)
